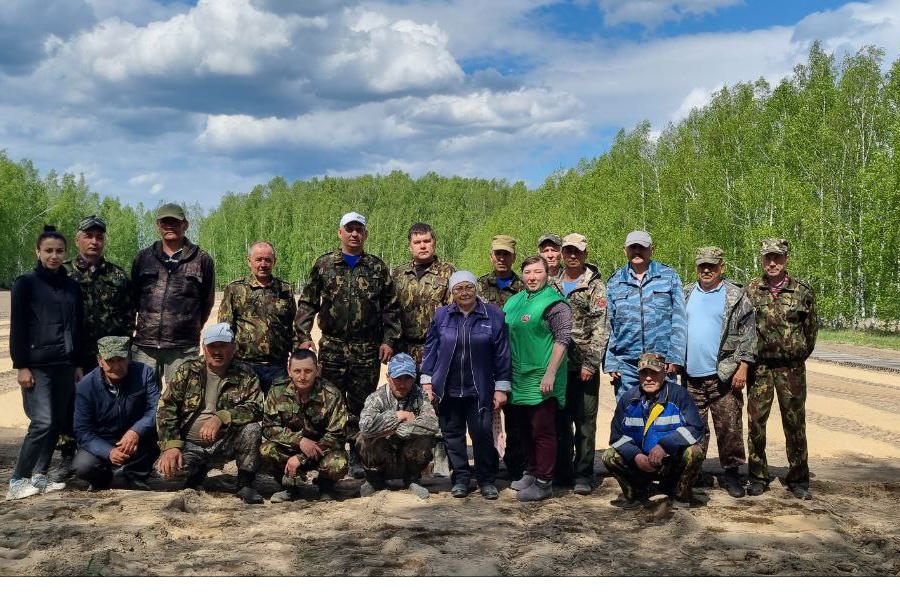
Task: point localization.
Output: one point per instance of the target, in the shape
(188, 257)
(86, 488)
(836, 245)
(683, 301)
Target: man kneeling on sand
(209, 414)
(655, 435)
(115, 409)
(303, 429)
(396, 430)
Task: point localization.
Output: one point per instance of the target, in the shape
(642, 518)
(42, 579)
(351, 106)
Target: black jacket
(47, 320)
(172, 306)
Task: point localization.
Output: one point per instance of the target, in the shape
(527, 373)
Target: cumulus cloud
(652, 13)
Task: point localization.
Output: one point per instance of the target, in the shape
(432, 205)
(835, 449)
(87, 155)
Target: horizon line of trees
(815, 159)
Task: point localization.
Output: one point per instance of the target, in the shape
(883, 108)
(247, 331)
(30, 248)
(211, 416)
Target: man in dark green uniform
(260, 309)
(786, 329)
(304, 418)
(502, 284)
(359, 315)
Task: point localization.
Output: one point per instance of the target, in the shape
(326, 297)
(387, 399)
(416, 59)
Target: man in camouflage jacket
(721, 347)
(209, 414)
(502, 284)
(582, 285)
(260, 309)
(786, 327)
(303, 429)
(421, 289)
(359, 315)
(396, 429)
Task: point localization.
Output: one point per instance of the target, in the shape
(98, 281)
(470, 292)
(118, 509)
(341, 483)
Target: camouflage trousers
(676, 476)
(333, 465)
(790, 383)
(394, 457)
(354, 369)
(712, 395)
(240, 444)
(163, 361)
(413, 348)
(576, 430)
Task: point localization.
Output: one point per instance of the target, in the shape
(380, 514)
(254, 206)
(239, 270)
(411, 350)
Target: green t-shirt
(531, 345)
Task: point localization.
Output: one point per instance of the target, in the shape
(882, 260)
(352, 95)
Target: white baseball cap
(220, 332)
(350, 217)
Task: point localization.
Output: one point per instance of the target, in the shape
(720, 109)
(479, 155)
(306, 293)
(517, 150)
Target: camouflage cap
(114, 346)
(710, 255)
(549, 237)
(92, 222)
(773, 246)
(503, 242)
(170, 211)
(576, 240)
(652, 361)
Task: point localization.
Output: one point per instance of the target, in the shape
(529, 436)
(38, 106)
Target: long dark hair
(50, 232)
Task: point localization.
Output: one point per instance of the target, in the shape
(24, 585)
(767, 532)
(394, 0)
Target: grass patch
(873, 339)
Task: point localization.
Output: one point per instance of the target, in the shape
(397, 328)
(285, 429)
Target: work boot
(326, 489)
(705, 480)
(418, 490)
(288, 494)
(800, 492)
(356, 469)
(756, 487)
(520, 484)
(366, 489)
(538, 491)
(733, 484)
(626, 504)
(65, 470)
(441, 466)
(196, 477)
(583, 488)
(460, 490)
(246, 491)
(489, 491)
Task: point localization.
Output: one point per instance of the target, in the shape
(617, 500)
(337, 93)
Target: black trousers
(455, 415)
(98, 470)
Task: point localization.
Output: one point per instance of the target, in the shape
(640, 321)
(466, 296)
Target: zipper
(161, 317)
(471, 362)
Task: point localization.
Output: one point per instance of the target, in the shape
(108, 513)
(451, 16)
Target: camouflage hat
(710, 255)
(576, 240)
(92, 222)
(549, 237)
(652, 361)
(114, 346)
(170, 211)
(773, 246)
(503, 242)
(400, 365)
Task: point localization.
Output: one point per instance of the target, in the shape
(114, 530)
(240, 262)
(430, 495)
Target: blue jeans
(47, 405)
(268, 373)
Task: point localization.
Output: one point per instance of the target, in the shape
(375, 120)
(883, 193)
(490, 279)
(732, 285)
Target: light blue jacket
(645, 318)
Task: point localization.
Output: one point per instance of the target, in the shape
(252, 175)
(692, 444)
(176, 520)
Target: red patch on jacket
(526, 318)
(601, 303)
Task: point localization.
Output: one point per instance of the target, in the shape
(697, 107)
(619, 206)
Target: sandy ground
(850, 528)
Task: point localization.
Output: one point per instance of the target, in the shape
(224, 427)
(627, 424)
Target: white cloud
(652, 13)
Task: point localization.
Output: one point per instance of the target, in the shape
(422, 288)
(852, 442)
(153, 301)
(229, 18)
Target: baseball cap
(709, 255)
(351, 217)
(170, 211)
(91, 222)
(773, 246)
(641, 238)
(576, 240)
(220, 332)
(652, 361)
(114, 346)
(549, 237)
(400, 365)
(503, 242)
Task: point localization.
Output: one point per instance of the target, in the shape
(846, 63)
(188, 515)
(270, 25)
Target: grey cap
(549, 237)
(639, 237)
(220, 332)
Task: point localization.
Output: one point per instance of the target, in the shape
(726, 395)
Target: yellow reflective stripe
(654, 412)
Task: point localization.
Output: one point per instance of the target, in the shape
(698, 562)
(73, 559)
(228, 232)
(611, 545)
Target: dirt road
(850, 527)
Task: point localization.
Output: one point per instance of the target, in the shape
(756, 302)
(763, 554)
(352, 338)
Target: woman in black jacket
(45, 341)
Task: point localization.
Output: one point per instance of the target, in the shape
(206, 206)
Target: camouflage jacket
(489, 292)
(262, 318)
(322, 419)
(379, 415)
(786, 325)
(354, 305)
(107, 295)
(590, 330)
(737, 341)
(240, 400)
(419, 298)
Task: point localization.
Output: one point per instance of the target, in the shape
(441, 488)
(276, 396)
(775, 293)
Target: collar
(712, 291)
(82, 265)
(479, 309)
(411, 266)
(338, 257)
(252, 282)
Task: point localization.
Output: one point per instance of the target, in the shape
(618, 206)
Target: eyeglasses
(463, 289)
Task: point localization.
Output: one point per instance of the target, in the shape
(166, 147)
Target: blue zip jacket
(488, 345)
(101, 419)
(676, 428)
(645, 318)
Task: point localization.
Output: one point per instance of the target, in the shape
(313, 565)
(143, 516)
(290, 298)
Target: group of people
(118, 372)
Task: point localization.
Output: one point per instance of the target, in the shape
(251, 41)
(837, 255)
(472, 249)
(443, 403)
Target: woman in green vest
(540, 327)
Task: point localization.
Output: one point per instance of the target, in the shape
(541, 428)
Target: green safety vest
(531, 344)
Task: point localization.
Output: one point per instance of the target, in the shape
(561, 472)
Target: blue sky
(164, 100)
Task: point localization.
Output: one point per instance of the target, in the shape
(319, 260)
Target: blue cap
(402, 364)
(220, 332)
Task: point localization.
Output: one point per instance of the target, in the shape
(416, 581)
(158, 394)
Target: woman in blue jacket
(45, 342)
(465, 371)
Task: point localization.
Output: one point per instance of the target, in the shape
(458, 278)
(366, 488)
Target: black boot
(733, 484)
(355, 464)
(246, 491)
